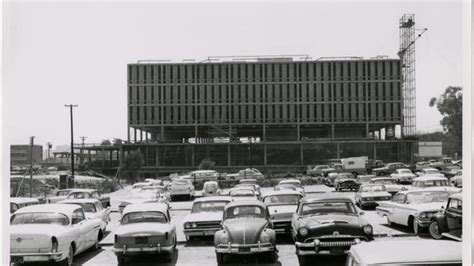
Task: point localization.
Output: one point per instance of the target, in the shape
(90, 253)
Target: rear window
(79, 195)
(87, 207)
(39, 218)
(321, 208)
(245, 211)
(209, 206)
(143, 217)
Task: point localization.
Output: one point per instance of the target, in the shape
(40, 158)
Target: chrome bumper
(201, 232)
(245, 248)
(27, 257)
(124, 250)
(324, 248)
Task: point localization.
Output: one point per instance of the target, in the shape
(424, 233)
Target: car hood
(432, 206)
(203, 217)
(317, 220)
(323, 225)
(375, 194)
(393, 187)
(137, 229)
(244, 230)
(282, 211)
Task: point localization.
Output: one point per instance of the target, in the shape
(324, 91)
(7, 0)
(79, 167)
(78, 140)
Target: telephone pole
(32, 140)
(72, 137)
(82, 150)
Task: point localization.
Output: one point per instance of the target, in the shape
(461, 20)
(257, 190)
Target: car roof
(430, 169)
(281, 192)
(382, 178)
(20, 200)
(288, 181)
(79, 201)
(432, 189)
(429, 177)
(326, 196)
(245, 202)
(83, 190)
(248, 180)
(203, 171)
(213, 198)
(67, 209)
(457, 196)
(401, 169)
(146, 207)
(419, 250)
(210, 182)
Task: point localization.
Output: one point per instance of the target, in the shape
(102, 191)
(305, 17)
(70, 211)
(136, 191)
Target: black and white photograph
(236, 133)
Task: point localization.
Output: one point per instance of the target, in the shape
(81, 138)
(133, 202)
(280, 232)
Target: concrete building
(20, 155)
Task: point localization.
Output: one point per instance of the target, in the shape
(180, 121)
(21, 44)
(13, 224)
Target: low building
(20, 155)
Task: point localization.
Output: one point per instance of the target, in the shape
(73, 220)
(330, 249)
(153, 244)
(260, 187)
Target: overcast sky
(61, 53)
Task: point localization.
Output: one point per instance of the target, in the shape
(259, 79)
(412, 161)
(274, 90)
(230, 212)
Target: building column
(367, 130)
(332, 131)
(229, 162)
(298, 132)
(375, 150)
(135, 135)
(264, 133)
(265, 155)
(157, 155)
(338, 151)
(301, 154)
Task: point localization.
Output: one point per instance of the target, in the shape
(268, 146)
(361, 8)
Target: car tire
(434, 230)
(220, 258)
(302, 260)
(70, 257)
(120, 260)
(168, 257)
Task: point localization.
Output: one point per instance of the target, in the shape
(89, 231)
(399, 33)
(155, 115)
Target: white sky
(61, 53)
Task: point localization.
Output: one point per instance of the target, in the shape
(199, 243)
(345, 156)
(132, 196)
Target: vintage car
(242, 194)
(294, 182)
(449, 222)
(141, 197)
(403, 175)
(154, 182)
(334, 168)
(248, 173)
(329, 179)
(246, 229)
(282, 205)
(388, 168)
(390, 184)
(345, 181)
(93, 209)
(369, 195)
(255, 188)
(210, 188)
(328, 224)
(17, 203)
(145, 228)
(205, 217)
(286, 187)
(89, 194)
(137, 186)
(52, 233)
(408, 252)
(202, 176)
(180, 188)
(161, 190)
(413, 208)
(433, 182)
(456, 180)
(430, 172)
(421, 165)
(251, 182)
(364, 179)
(60, 195)
(451, 171)
(317, 170)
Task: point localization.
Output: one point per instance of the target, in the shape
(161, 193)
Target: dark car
(328, 225)
(246, 229)
(345, 181)
(449, 222)
(389, 168)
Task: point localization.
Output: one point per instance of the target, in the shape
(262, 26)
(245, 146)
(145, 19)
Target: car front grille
(282, 225)
(205, 225)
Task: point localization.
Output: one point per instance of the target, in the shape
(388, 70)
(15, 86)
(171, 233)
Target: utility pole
(250, 152)
(82, 149)
(72, 137)
(49, 148)
(32, 140)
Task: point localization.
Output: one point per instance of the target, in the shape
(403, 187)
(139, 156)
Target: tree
(105, 142)
(206, 164)
(131, 165)
(449, 104)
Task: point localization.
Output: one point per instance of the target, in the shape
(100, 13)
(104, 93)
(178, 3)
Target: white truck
(354, 165)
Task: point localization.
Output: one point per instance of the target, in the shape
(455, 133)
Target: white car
(413, 208)
(140, 197)
(248, 173)
(17, 203)
(390, 184)
(281, 205)
(59, 195)
(93, 209)
(180, 188)
(210, 188)
(403, 175)
(242, 194)
(202, 175)
(52, 233)
(294, 182)
(145, 229)
(369, 195)
(137, 186)
(430, 171)
(205, 217)
(456, 180)
(160, 189)
(431, 182)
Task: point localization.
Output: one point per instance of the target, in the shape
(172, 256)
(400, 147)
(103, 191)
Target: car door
(454, 217)
(396, 210)
(80, 230)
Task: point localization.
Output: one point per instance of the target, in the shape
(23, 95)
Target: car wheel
(416, 228)
(220, 258)
(302, 260)
(434, 230)
(167, 257)
(120, 260)
(70, 257)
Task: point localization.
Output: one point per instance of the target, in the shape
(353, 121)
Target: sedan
(93, 209)
(370, 194)
(403, 175)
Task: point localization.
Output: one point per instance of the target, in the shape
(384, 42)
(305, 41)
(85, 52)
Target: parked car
(139, 185)
(210, 188)
(281, 206)
(180, 188)
(451, 171)
(139, 197)
(145, 229)
(51, 233)
(246, 229)
(242, 194)
(329, 224)
(248, 173)
(317, 170)
(389, 168)
(286, 187)
(345, 181)
(403, 175)
(449, 222)
(60, 195)
(93, 209)
(390, 184)
(433, 182)
(421, 165)
(430, 171)
(18, 203)
(250, 181)
(294, 182)
(89, 194)
(334, 168)
(329, 179)
(206, 216)
(408, 252)
(371, 164)
(161, 190)
(413, 208)
(255, 188)
(364, 179)
(456, 180)
(202, 176)
(369, 195)
(442, 163)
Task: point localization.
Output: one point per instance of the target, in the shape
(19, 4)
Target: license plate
(244, 249)
(337, 251)
(141, 240)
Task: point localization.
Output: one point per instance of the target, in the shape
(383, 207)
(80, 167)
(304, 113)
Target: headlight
(187, 225)
(422, 215)
(194, 225)
(224, 239)
(368, 229)
(303, 231)
(265, 238)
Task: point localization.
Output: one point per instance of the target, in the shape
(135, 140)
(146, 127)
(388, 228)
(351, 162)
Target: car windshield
(294, 183)
(435, 183)
(144, 217)
(148, 194)
(39, 218)
(242, 193)
(431, 171)
(427, 197)
(281, 199)
(322, 208)
(405, 171)
(209, 206)
(79, 195)
(180, 183)
(87, 207)
(62, 193)
(210, 186)
(385, 181)
(376, 188)
(245, 211)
